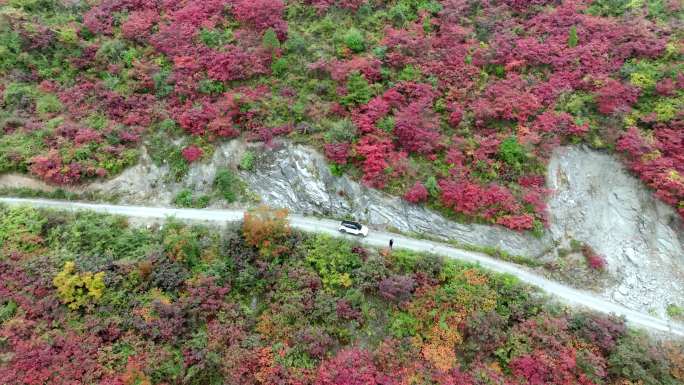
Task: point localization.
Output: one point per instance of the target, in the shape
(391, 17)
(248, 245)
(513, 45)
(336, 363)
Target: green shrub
(358, 90)
(67, 35)
(16, 150)
(339, 131)
(336, 169)
(296, 44)
(432, 186)
(111, 51)
(7, 311)
(572, 37)
(354, 40)
(216, 38)
(675, 311)
(185, 198)
(270, 40)
(48, 103)
(386, 124)
(409, 73)
(98, 239)
(227, 184)
(209, 86)
(21, 228)
(161, 85)
(404, 325)
(33, 5)
(333, 260)
(512, 153)
(279, 66)
(10, 49)
(248, 161)
(19, 95)
(635, 358)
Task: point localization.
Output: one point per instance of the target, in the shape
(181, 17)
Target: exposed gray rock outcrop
(298, 178)
(598, 202)
(148, 183)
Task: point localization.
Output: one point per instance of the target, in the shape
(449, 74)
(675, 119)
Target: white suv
(353, 228)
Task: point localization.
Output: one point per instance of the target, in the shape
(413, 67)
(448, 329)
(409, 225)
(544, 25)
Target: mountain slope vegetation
(455, 103)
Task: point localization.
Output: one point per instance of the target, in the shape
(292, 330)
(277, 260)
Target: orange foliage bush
(264, 225)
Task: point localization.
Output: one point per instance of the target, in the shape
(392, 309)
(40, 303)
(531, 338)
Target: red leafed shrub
(223, 127)
(51, 169)
(205, 298)
(323, 5)
(521, 5)
(517, 222)
(633, 143)
(192, 153)
(666, 87)
(560, 123)
(397, 288)
(351, 366)
(139, 24)
(540, 368)
(369, 67)
(236, 63)
(416, 194)
(506, 99)
(337, 152)
(375, 151)
(454, 377)
(346, 311)
(659, 161)
(366, 116)
(487, 202)
(455, 116)
(262, 15)
(64, 360)
(614, 97)
(602, 331)
(194, 120)
(86, 135)
(416, 127)
(594, 260)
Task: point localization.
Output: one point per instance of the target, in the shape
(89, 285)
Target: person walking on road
(391, 243)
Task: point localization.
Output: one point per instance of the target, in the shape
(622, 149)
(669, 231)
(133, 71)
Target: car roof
(351, 223)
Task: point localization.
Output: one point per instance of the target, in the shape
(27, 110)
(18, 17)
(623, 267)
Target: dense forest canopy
(457, 103)
(90, 299)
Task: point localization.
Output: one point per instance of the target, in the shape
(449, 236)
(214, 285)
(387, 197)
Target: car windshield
(352, 225)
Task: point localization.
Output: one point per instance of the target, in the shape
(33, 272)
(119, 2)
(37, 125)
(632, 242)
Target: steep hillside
(457, 104)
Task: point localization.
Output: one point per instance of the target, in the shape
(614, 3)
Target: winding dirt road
(568, 295)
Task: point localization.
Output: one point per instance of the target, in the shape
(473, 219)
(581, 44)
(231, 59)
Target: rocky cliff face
(298, 178)
(595, 201)
(598, 202)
